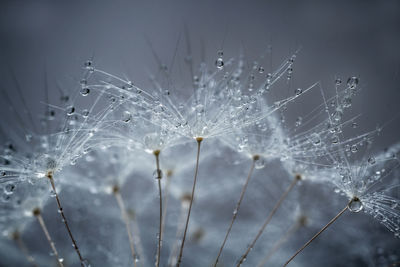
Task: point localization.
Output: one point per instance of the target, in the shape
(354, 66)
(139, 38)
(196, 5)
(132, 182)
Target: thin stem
(159, 176)
(317, 234)
(125, 218)
(185, 200)
(294, 228)
(272, 213)
(199, 139)
(165, 200)
(236, 210)
(20, 243)
(64, 219)
(37, 214)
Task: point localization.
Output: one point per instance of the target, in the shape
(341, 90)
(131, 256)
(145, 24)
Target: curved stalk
(272, 213)
(317, 234)
(198, 139)
(17, 238)
(37, 213)
(64, 219)
(236, 210)
(125, 218)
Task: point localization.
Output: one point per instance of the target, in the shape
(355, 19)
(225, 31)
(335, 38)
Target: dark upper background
(338, 38)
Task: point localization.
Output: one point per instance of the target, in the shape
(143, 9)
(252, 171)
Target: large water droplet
(355, 205)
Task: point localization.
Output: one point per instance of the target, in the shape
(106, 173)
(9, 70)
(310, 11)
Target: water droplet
(126, 116)
(261, 69)
(355, 205)
(85, 91)
(337, 115)
(219, 63)
(259, 164)
(70, 110)
(352, 82)
(299, 121)
(354, 148)
(85, 113)
(166, 92)
(83, 82)
(9, 189)
(354, 125)
(89, 65)
(338, 81)
(157, 174)
(220, 53)
(298, 91)
(371, 160)
(61, 260)
(86, 263)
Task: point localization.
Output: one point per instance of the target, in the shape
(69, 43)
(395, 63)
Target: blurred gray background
(337, 39)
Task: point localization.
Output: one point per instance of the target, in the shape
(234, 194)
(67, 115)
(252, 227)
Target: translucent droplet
(166, 92)
(85, 113)
(85, 91)
(354, 125)
(299, 121)
(157, 174)
(86, 263)
(371, 160)
(355, 205)
(126, 116)
(338, 81)
(337, 115)
(298, 91)
(352, 82)
(220, 53)
(261, 69)
(354, 148)
(61, 260)
(219, 63)
(89, 65)
(9, 189)
(259, 164)
(83, 82)
(70, 110)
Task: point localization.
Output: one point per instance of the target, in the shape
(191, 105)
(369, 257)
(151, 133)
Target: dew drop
(261, 69)
(354, 148)
(219, 63)
(85, 91)
(371, 160)
(338, 81)
(352, 82)
(299, 121)
(85, 113)
(126, 116)
(70, 110)
(259, 164)
(298, 91)
(89, 65)
(9, 189)
(86, 263)
(157, 174)
(355, 205)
